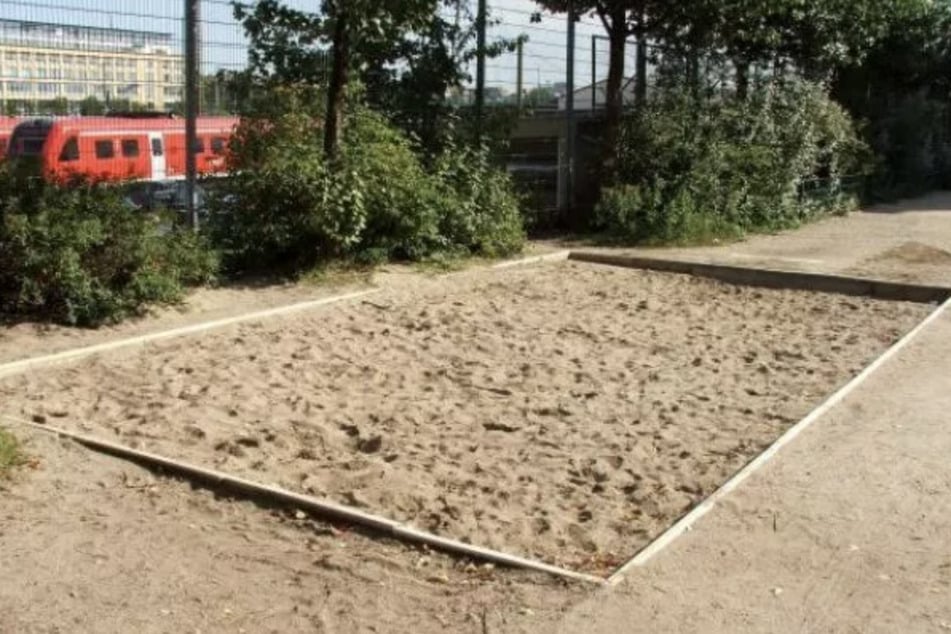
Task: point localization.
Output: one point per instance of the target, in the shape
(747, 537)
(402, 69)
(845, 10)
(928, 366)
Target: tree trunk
(742, 78)
(640, 80)
(337, 90)
(614, 96)
(693, 72)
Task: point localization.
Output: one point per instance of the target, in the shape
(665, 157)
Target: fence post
(570, 113)
(192, 27)
(480, 64)
(594, 73)
(519, 78)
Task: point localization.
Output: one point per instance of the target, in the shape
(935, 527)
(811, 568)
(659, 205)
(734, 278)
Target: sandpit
(567, 412)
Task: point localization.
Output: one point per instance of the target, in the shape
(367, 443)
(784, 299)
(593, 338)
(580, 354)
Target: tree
(622, 19)
(902, 91)
(812, 37)
(58, 106)
(358, 27)
(411, 79)
(347, 35)
(91, 106)
(540, 98)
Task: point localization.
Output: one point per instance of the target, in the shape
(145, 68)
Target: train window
(31, 147)
(218, 145)
(70, 150)
(156, 147)
(105, 149)
(130, 148)
(199, 145)
(29, 138)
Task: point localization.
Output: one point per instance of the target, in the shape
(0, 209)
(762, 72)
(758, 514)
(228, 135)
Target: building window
(70, 150)
(130, 148)
(105, 149)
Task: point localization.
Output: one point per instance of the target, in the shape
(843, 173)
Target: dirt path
(910, 242)
(848, 530)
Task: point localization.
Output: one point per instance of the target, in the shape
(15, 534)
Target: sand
(847, 530)
(567, 412)
(97, 545)
(27, 339)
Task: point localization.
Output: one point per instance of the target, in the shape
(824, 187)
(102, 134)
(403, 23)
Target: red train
(6, 130)
(120, 148)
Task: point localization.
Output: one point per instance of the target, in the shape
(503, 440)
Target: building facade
(43, 63)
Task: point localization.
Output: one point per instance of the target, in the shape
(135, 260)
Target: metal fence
(141, 58)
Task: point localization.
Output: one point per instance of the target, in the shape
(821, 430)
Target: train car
(120, 149)
(6, 131)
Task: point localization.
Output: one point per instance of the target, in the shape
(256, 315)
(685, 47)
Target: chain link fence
(541, 87)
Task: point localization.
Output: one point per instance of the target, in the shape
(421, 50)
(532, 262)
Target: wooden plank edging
(776, 278)
(323, 508)
(686, 522)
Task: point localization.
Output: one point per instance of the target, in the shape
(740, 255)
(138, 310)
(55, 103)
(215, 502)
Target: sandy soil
(569, 412)
(910, 261)
(96, 545)
(30, 339)
(848, 530)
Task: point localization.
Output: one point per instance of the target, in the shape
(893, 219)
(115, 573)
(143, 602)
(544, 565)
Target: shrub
(692, 171)
(80, 255)
(286, 206)
(482, 210)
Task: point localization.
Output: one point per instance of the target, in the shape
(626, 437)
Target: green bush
(286, 207)
(693, 171)
(80, 255)
(481, 212)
